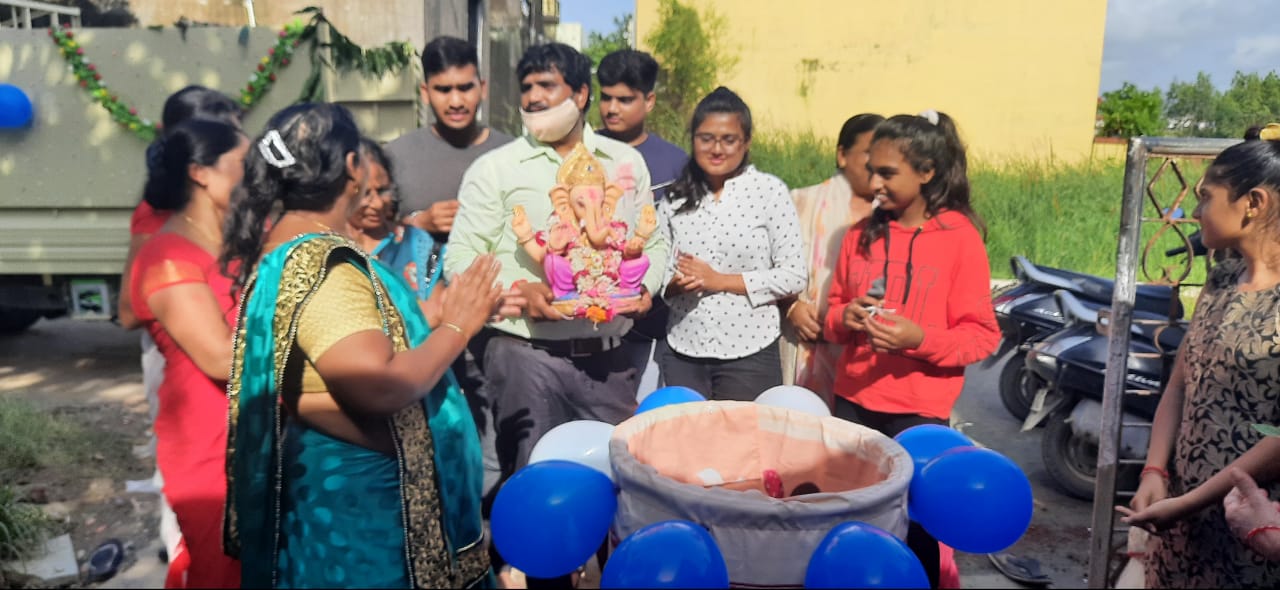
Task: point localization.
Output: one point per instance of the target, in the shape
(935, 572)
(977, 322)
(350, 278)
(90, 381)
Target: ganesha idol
(590, 263)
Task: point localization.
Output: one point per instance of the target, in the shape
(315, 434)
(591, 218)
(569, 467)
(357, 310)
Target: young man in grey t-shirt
(429, 162)
(428, 165)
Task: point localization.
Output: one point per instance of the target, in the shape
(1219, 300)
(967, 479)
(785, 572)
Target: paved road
(67, 362)
(1059, 533)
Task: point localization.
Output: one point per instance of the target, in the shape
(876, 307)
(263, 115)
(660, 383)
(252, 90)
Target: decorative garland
(346, 55)
(277, 57)
(91, 80)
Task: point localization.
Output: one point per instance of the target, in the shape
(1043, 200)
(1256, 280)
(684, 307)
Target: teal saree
(307, 510)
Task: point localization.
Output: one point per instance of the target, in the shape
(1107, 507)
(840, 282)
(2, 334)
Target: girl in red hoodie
(910, 298)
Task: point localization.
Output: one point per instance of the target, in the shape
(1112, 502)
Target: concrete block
(56, 566)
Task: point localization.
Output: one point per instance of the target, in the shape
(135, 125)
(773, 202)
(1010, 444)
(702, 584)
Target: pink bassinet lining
(731, 445)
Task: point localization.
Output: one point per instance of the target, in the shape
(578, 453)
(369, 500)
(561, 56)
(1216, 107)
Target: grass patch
(31, 438)
(1056, 214)
(23, 527)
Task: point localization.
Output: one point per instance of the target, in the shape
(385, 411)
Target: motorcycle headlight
(1045, 360)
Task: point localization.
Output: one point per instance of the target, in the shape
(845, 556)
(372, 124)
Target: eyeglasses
(385, 193)
(706, 140)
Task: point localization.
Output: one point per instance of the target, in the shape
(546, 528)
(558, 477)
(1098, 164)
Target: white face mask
(552, 124)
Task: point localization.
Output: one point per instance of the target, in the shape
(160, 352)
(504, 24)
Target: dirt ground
(87, 375)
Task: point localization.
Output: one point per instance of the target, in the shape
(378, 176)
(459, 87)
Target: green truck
(71, 179)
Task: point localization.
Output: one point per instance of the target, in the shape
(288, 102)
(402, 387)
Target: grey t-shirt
(428, 169)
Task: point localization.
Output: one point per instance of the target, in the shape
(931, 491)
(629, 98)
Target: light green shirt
(523, 172)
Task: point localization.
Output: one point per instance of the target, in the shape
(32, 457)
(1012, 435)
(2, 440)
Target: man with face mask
(543, 368)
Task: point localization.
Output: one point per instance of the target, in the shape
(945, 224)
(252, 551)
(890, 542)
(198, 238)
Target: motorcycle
(1070, 366)
(1027, 312)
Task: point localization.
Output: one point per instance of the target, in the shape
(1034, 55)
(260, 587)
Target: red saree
(191, 426)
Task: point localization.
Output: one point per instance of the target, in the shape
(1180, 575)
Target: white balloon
(794, 397)
(585, 442)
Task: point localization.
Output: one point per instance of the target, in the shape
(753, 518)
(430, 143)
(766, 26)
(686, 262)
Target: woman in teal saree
(352, 458)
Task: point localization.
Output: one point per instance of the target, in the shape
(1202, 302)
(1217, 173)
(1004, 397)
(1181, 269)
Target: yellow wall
(1019, 76)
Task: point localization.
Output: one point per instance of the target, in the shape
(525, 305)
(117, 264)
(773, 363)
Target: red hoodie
(949, 297)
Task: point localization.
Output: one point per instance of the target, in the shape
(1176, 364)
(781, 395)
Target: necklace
(204, 232)
(315, 223)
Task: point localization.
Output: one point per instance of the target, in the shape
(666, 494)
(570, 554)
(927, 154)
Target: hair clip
(930, 115)
(280, 157)
(1270, 133)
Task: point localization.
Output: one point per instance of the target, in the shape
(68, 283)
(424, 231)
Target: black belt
(577, 347)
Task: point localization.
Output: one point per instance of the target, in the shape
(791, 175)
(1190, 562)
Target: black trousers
(534, 390)
(918, 539)
(718, 379)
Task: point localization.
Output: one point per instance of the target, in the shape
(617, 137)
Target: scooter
(1070, 366)
(1027, 311)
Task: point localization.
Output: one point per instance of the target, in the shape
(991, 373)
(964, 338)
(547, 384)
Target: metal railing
(22, 13)
(1132, 255)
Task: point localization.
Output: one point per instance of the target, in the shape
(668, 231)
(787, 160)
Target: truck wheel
(1017, 386)
(13, 321)
(1072, 461)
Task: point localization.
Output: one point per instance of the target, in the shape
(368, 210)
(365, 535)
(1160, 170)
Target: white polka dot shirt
(753, 231)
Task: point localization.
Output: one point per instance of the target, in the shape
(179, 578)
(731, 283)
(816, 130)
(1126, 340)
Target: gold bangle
(524, 241)
(455, 328)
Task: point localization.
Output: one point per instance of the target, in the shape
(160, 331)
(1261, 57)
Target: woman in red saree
(186, 304)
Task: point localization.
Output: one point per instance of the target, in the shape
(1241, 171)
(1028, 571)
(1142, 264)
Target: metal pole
(1135, 173)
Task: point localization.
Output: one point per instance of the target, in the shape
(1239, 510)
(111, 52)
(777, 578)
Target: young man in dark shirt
(627, 78)
(429, 162)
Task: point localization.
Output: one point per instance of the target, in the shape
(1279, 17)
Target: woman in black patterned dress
(1226, 379)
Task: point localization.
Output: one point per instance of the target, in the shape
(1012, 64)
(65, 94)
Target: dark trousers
(919, 540)
(718, 379)
(639, 349)
(469, 370)
(534, 391)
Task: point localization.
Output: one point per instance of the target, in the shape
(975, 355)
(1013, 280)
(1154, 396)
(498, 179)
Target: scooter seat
(1149, 298)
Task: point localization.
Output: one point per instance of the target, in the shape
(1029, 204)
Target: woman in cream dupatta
(826, 212)
(352, 458)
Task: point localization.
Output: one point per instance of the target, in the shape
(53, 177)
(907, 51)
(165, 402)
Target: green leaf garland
(89, 78)
(346, 55)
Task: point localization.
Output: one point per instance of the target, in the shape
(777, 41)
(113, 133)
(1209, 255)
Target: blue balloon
(669, 554)
(667, 396)
(926, 441)
(975, 500)
(858, 555)
(15, 107)
(552, 516)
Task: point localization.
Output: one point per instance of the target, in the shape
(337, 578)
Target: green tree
(1129, 112)
(690, 47)
(1251, 100)
(599, 45)
(1194, 108)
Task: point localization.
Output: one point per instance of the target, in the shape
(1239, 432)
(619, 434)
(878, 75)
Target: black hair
(199, 102)
(446, 52)
(377, 155)
(927, 147)
(1246, 166)
(317, 137)
(1253, 133)
(855, 127)
(637, 69)
(572, 65)
(194, 141)
(692, 184)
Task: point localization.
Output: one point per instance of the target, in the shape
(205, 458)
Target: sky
(1148, 42)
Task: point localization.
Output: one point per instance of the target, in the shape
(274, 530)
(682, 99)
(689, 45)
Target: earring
(1250, 213)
